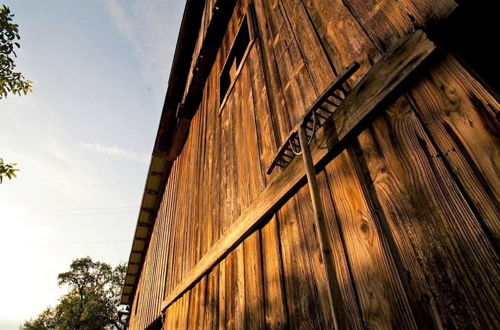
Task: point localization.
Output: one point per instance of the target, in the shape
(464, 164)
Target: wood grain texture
(306, 289)
(410, 193)
(372, 89)
(348, 298)
(381, 296)
(447, 102)
(302, 295)
(345, 42)
(385, 21)
(442, 237)
(273, 86)
(339, 317)
(272, 272)
(463, 119)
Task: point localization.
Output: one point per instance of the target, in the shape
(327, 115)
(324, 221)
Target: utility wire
(78, 243)
(80, 214)
(60, 212)
(102, 184)
(71, 214)
(88, 208)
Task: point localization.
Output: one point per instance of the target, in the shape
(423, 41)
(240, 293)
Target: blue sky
(82, 139)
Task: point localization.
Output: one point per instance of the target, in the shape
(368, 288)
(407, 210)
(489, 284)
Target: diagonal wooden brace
(383, 78)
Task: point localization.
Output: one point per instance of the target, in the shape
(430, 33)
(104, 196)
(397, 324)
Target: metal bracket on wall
(314, 118)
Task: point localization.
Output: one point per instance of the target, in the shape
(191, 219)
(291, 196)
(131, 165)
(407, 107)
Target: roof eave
(161, 159)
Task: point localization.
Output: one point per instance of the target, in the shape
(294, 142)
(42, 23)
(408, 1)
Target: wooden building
(322, 164)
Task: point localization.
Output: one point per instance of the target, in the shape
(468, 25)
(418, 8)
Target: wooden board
(409, 191)
(463, 119)
(375, 86)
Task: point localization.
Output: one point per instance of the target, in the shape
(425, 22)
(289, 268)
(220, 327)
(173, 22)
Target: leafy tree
(10, 80)
(44, 321)
(7, 170)
(93, 301)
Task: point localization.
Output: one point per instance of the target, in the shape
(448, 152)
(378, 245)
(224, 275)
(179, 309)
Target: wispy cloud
(151, 27)
(120, 18)
(115, 151)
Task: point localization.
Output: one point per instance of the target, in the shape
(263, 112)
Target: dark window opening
(234, 59)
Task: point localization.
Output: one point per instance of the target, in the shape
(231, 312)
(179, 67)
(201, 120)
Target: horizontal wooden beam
(402, 59)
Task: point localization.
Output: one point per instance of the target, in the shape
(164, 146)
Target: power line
(112, 184)
(79, 243)
(88, 208)
(80, 214)
(62, 212)
(103, 184)
(71, 214)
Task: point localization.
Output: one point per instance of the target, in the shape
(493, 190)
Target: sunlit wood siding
(412, 202)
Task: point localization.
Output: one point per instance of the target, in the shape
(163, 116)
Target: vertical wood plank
(382, 298)
(463, 120)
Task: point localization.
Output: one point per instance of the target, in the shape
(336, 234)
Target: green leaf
(11, 82)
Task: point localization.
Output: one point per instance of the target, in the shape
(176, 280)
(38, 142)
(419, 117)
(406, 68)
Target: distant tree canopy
(10, 80)
(93, 301)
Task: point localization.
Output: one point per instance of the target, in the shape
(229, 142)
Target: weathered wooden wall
(412, 203)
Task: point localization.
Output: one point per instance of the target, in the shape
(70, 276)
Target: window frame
(248, 19)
